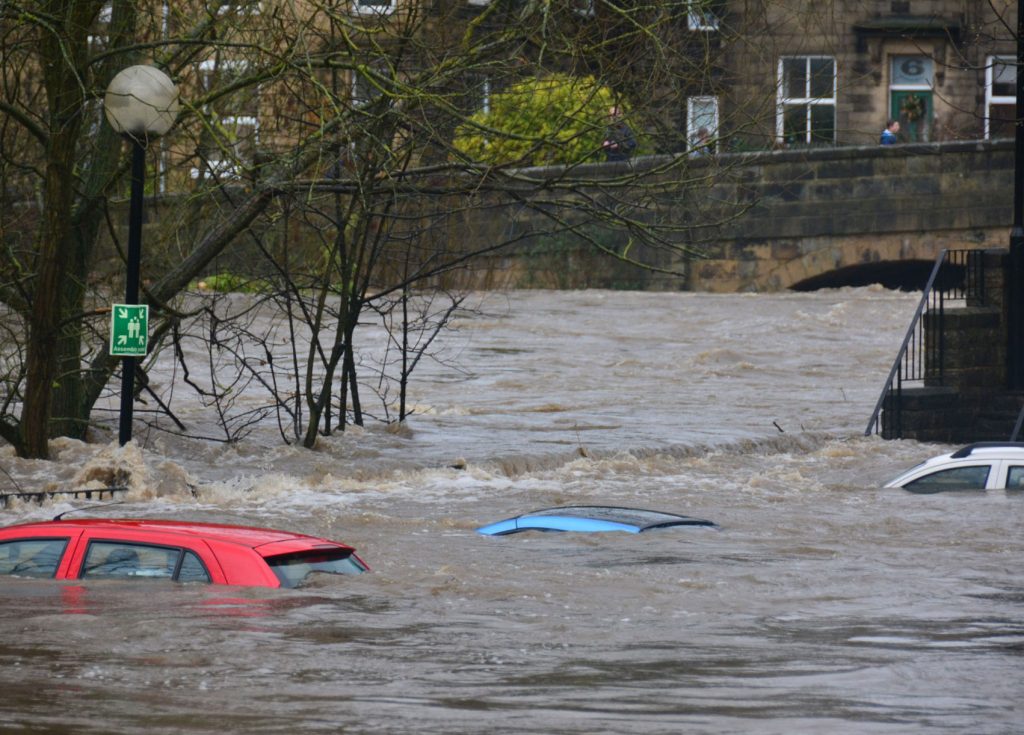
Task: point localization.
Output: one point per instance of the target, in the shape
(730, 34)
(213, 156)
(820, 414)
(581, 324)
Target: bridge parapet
(820, 211)
(787, 218)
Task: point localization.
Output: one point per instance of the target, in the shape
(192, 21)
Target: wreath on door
(912, 107)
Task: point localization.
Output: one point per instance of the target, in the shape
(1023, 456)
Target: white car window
(958, 478)
(1015, 477)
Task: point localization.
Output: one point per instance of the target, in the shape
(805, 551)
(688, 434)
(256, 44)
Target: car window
(38, 557)
(192, 569)
(116, 559)
(120, 559)
(293, 569)
(957, 478)
(1015, 477)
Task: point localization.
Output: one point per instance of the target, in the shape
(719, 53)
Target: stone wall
(785, 217)
(790, 216)
(819, 211)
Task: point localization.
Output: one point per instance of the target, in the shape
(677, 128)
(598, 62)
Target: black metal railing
(958, 275)
(39, 496)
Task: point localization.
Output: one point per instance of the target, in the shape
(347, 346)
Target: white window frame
(584, 8)
(366, 7)
(996, 99)
(485, 95)
(807, 100)
(104, 17)
(693, 123)
(701, 16)
(241, 9)
(219, 166)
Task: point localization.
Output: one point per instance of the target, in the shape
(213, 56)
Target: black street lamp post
(141, 103)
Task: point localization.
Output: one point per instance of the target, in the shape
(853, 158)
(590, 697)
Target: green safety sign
(129, 330)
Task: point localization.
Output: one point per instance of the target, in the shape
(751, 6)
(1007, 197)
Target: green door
(914, 110)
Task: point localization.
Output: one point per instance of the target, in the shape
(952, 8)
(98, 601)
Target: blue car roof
(591, 518)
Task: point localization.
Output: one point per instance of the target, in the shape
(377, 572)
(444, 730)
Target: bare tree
(316, 155)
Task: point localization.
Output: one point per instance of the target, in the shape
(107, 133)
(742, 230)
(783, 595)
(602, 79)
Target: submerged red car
(170, 550)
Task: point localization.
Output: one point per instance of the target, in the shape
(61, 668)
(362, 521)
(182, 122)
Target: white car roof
(990, 450)
(978, 452)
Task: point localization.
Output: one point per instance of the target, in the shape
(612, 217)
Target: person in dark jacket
(619, 142)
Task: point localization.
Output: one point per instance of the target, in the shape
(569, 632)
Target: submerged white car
(981, 466)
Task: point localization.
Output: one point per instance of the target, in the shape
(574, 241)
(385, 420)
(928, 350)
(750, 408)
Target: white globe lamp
(141, 102)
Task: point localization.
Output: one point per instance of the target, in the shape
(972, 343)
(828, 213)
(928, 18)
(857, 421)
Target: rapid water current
(823, 604)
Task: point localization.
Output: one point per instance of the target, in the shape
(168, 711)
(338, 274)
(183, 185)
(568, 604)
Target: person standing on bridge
(888, 136)
(619, 142)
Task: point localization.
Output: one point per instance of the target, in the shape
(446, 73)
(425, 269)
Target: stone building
(749, 74)
(757, 74)
(837, 71)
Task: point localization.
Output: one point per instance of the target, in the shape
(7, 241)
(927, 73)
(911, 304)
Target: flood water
(823, 604)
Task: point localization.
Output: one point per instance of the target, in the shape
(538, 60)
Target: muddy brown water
(823, 604)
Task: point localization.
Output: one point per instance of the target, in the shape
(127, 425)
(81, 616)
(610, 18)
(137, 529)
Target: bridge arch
(901, 275)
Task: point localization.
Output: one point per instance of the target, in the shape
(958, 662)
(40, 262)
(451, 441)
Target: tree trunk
(61, 55)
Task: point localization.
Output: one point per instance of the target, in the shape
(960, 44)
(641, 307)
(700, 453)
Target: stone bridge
(855, 216)
(817, 218)
(799, 219)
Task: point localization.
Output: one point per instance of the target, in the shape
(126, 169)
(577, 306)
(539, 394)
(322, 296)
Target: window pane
(794, 78)
(960, 478)
(822, 75)
(703, 113)
(106, 559)
(702, 16)
(32, 557)
(1004, 79)
(794, 124)
(584, 8)
(192, 569)
(823, 124)
(912, 70)
(1002, 121)
(1015, 478)
(702, 124)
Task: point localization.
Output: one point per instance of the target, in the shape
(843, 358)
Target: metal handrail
(1017, 426)
(916, 362)
(38, 496)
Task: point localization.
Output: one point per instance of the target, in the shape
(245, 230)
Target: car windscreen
(637, 517)
(293, 569)
(33, 557)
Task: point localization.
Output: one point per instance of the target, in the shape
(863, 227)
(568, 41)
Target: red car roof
(249, 536)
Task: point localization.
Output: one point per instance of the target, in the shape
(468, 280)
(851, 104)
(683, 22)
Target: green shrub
(540, 121)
